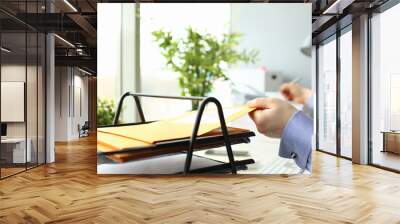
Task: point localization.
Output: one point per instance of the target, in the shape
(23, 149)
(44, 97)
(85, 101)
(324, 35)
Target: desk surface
(13, 140)
(390, 132)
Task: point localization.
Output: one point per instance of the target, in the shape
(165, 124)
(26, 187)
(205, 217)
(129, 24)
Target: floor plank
(70, 191)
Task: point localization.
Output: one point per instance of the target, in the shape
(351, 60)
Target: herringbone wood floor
(70, 191)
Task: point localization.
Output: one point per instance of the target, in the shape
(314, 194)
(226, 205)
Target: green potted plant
(105, 112)
(201, 59)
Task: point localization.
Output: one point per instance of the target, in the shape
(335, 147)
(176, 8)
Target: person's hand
(271, 115)
(295, 92)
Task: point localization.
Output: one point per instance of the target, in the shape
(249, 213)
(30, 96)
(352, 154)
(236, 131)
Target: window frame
(334, 37)
(27, 29)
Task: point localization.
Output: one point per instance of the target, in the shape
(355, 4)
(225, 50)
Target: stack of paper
(181, 127)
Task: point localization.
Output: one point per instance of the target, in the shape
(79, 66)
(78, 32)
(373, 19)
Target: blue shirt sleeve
(296, 140)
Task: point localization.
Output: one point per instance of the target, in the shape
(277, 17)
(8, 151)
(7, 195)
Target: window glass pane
(109, 59)
(385, 86)
(32, 98)
(346, 93)
(23, 90)
(41, 98)
(327, 97)
(14, 150)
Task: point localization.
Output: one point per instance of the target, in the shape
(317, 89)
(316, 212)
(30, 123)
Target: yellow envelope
(177, 127)
(107, 142)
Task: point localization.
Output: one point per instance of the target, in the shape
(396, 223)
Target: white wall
(278, 31)
(79, 117)
(12, 73)
(61, 103)
(70, 83)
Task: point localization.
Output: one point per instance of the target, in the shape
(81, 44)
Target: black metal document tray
(223, 137)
